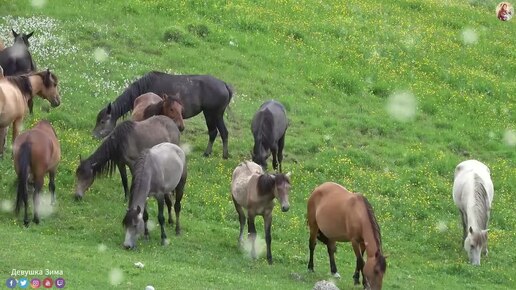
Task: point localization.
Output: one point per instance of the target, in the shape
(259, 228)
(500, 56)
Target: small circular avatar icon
(504, 11)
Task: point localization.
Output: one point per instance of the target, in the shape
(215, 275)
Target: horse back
(169, 163)
(141, 103)
(45, 149)
(469, 175)
(244, 181)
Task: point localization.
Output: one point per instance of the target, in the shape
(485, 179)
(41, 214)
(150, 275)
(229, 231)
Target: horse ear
(484, 232)
(164, 97)
(108, 110)
(14, 33)
(30, 34)
(80, 158)
(470, 230)
(288, 174)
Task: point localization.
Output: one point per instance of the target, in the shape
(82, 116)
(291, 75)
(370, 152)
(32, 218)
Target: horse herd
(149, 145)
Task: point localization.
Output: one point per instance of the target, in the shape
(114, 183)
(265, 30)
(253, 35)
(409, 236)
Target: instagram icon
(35, 283)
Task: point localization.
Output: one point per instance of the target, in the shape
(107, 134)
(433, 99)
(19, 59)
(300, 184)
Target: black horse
(199, 93)
(269, 126)
(16, 59)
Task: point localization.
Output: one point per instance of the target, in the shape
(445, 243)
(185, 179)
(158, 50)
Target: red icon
(47, 282)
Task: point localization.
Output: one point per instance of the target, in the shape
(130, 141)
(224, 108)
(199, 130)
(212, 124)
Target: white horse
(473, 194)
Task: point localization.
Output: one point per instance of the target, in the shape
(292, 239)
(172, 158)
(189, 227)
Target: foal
(254, 191)
(36, 153)
(150, 104)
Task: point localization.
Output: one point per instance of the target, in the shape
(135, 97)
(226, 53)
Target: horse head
(173, 108)
(21, 38)
(105, 123)
(134, 226)
(83, 177)
(50, 89)
(474, 243)
(374, 270)
(282, 189)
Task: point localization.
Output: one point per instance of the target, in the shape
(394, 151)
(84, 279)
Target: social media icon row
(35, 283)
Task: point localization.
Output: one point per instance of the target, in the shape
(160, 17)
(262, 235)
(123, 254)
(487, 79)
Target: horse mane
(139, 177)
(266, 182)
(22, 83)
(110, 149)
(267, 126)
(124, 103)
(374, 223)
(481, 202)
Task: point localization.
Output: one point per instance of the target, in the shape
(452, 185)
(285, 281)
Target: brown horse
(255, 191)
(16, 93)
(150, 104)
(36, 153)
(337, 215)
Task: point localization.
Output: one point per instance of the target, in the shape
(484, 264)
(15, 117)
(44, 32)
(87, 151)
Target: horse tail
(24, 158)
(231, 92)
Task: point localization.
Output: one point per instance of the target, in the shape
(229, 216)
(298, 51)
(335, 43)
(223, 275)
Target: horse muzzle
(285, 208)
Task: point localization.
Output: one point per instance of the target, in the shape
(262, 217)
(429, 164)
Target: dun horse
(150, 104)
(16, 59)
(158, 172)
(473, 194)
(16, 93)
(198, 93)
(255, 191)
(36, 153)
(337, 215)
(123, 147)
(269, 126)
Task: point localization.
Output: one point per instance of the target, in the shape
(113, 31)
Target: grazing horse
(16, 93)
(198, 93)
(16, 59)
(269, 126)
(123, 147)
(473, 194)
(158, 172)
(150, 104)
(254, 191)
(36, 153)
(337, 215)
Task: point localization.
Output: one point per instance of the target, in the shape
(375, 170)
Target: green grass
(335, 66)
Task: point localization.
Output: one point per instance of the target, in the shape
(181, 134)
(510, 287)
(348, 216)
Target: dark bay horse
(255, 191)
(123, 147)
(269, 126)
(199, 93)
(36, 153)
(337, 215)
(16, 92)
(16, 59)
(473, 194)
(150, 104)
(158, 172)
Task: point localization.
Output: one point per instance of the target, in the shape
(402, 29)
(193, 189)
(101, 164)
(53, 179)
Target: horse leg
(17, 127)
(38, 185)
(332, 247)
(221, 126)
(252, 233)
(267, 222)
(360, 262)
(3, 139)
(123, 176)
(281, 144)
(211, 123)
(177, 205)
(52, 185)
(145, 219)
(241, 218)
(168, 202)
(274, 152)
(464, 219)
(312, 241)
(161, 220)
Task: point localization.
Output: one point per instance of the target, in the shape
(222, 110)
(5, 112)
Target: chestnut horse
(16, 93)
(337, 215)
(150, 104)
(36, 153)
(255, 191)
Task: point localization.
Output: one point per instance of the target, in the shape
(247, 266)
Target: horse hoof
(164, 242)
(36, 221)
(336, 275)
(178, 232)
(270, 262)
(206, 154)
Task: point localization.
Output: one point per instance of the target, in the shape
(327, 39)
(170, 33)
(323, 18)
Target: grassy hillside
(384, 97)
